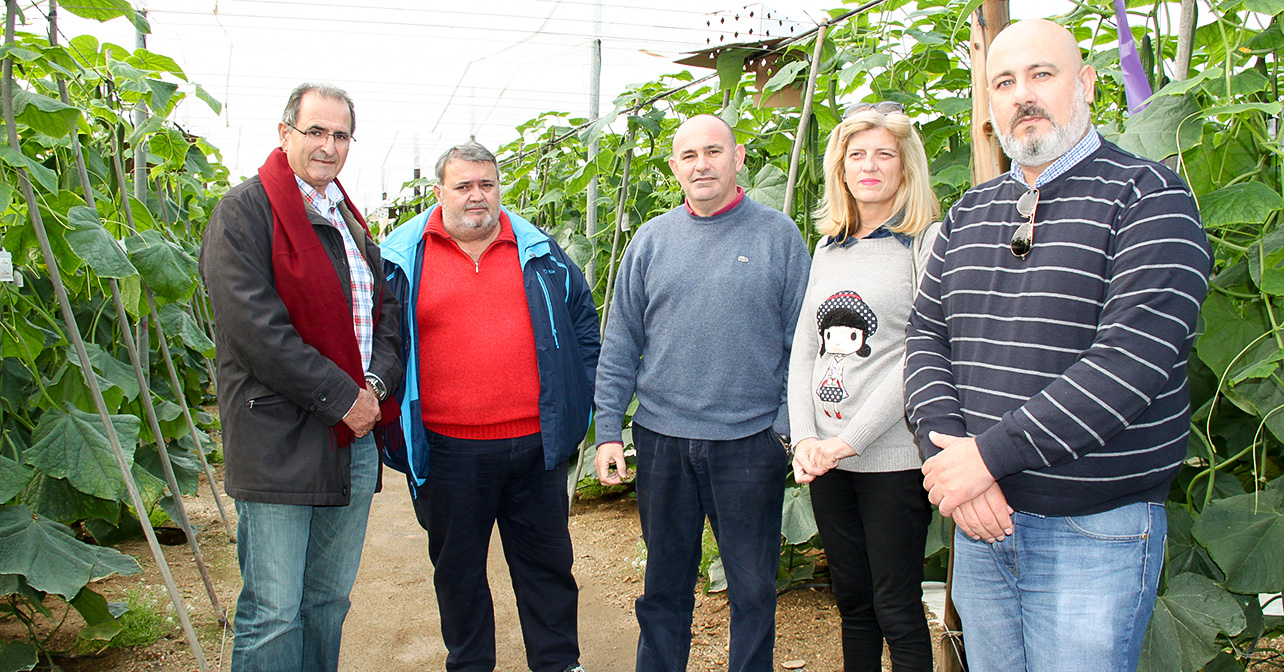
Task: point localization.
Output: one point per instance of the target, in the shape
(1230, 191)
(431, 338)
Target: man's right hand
(609, 463)
(364, 414)
(986, 517)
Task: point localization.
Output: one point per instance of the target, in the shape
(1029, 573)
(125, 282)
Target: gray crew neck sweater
(701, 324)
(856, 397)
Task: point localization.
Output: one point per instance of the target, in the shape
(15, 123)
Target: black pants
(874, 527)
(470, 486)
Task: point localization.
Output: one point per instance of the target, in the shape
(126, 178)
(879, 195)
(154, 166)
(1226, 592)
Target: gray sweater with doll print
(847, 365)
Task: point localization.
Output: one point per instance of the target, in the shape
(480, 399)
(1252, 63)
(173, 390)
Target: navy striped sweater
(1069, 367)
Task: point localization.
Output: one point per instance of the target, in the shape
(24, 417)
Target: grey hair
(469, 151)
(290, 116)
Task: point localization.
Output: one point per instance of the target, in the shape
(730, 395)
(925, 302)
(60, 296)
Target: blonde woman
(846, 400)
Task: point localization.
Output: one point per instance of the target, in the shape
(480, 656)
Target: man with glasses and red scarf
(308, 346)
(1046, 372)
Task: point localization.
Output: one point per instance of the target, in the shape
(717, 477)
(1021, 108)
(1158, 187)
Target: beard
(472, 218)
(1038, 150)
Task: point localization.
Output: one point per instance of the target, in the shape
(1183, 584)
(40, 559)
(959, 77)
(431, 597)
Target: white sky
(424, 74)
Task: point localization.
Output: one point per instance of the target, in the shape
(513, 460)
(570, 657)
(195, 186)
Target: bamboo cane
(169, 362)
(126, 330)
(78, 344)
(796, 154)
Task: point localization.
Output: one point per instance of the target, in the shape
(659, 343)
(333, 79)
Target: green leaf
(769, 186)
(166, 268)
(1244, 535)
(186, 470)
(1183, 631)
(177, 323)
(797, 520)
(96, 246)
(1184, 553)
(785, 76)
(1266, 263)
(13, 478)
(1167, 126)
(98, 10)
(92, 607)
(127, 74)
(56, 499)
(23, 340)
(1268, 108)
(162, 93)
(50, 557)
(1243, 83)
(149, 125)
(1227, 332)
(731, 67)
(1268, 7)
(953, 106)
(590, 135)
(72, 445)
(112, 370)
(46, 178)
(44, 114)
(18, 656)
(148, 60)
(1243, 203)
(209, 100)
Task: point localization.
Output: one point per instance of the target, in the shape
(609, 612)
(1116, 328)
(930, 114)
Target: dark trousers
(874, 527)
(471, 485)
(740, 485)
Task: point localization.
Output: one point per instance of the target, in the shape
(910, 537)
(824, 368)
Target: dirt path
(394, 625)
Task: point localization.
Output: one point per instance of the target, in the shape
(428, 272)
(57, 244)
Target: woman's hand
(805, 471)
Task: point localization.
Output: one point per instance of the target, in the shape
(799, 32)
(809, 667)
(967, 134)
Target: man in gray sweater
(700, 329)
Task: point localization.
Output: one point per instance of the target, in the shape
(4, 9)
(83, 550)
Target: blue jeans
(740, 485)
(298, 564)
(1061, 594)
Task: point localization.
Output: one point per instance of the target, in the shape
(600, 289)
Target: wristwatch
(380, 390)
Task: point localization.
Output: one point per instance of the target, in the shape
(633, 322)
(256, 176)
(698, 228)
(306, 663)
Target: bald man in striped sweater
(1046, 372)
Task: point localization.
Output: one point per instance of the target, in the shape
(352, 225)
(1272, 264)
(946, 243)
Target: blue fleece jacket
(564, 319)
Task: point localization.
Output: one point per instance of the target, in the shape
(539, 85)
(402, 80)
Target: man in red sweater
(504, 342)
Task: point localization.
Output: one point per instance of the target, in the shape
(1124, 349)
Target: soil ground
(394, 626)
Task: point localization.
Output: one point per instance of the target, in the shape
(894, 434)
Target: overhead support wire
(669, 92)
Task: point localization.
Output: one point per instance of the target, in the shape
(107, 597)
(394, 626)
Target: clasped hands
(363, 415)
(959, 483)
(813, 457)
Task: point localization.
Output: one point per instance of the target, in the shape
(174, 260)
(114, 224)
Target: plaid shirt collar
(1070, 159)
(327, 204)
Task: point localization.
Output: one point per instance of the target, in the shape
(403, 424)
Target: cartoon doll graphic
(845, 324)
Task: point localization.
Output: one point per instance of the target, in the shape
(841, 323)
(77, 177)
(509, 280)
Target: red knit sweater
(479, 378)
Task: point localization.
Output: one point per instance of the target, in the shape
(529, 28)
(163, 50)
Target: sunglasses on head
(885, 107)
(1023, 239)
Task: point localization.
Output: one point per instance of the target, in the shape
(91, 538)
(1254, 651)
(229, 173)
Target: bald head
(1039, 92)
(704, 125)
(1039, 38)
(705, 160)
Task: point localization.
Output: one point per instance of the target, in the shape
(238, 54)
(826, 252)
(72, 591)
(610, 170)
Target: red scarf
(309, 287)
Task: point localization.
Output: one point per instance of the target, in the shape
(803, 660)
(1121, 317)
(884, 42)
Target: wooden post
(988, 160)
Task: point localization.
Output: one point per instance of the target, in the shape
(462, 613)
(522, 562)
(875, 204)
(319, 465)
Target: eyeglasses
(885, 107)
(1023, 239)
(319, 135)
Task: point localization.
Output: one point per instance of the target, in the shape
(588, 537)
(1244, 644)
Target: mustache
(1026, 111)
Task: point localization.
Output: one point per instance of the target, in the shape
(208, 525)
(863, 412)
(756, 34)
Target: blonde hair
(838, 215)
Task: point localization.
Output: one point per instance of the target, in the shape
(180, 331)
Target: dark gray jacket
(277, 395)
